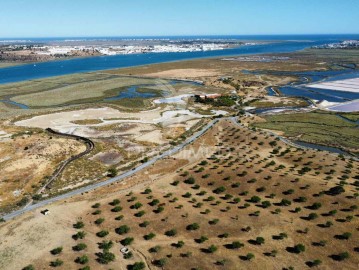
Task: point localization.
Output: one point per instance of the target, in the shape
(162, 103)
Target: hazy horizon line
(184, 35)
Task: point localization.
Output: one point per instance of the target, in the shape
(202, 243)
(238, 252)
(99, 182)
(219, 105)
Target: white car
(125, 250)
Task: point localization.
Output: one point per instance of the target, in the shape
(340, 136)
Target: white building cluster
(131, 49)
(63, 50)
(347, 44)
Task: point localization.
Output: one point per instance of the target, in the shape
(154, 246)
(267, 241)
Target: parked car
(125, 250)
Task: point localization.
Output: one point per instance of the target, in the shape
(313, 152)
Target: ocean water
(64, 67)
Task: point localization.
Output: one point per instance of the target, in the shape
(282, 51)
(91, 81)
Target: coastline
(7, 64)
(104, 63)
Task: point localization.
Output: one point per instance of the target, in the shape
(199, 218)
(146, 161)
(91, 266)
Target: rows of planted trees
(252, 201)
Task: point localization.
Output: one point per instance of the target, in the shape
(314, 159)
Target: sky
(81, 18)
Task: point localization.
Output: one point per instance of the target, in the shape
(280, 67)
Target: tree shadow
(310, 264)
(253, 242)
(277, 237)
(335, 257)
(292, 250)
(317, 244)
(341, 220)
(340, 237)
(206, 250)
(322, 225)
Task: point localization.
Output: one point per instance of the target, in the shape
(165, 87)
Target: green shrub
(312, 216)
(192, 227)
(137, 205)
(140, 213)
(115, 202)
(79, 247)
(250, 256)
(299, 248)
(266, 204)
(179, 244)
(219, 190)
(105, 245)
(29, 267)
(159, 209)
(187, 195)
(116, 209)
(122, 229)
(149, 236)
(171, 233)
(79, 225)
(190, 181)
(82, 260)
(105, 257)
(112, 172)
(202, 239)
(213, 221)
(236, 245)
(144, 224)
(255, 199)
(315, 263)
(96, 205)
(56, 263)
(160, 262)
(79, 235)
(99, 221)
(154, 249)
(137, 266)
(56, 251)
(260, 240)
(128, 255)
(342, 256)
(212, 249)
(154, 202)
(147, 191)
(127, 241)
(102, 233)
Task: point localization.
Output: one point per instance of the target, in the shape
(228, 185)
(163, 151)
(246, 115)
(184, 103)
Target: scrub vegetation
(315, 127)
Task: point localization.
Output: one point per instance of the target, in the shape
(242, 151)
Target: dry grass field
(235, 199)
(8, 64)
(27, 158)
(122, 139)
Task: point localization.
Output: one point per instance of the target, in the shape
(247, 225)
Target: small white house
(45, 212)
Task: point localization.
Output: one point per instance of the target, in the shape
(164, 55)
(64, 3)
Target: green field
(78, 92)
(289, 102)
(330, 55)
(351, 116)
(33, 86)
(74, 89)
(316, 127)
